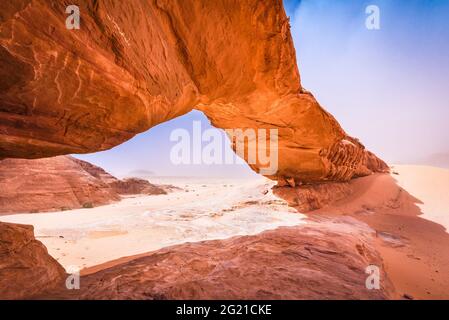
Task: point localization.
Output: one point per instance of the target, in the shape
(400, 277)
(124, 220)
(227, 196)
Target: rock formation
(95, 171)
(26, 268)
(50, 184)
(63, 183)
(306, 198)
(136, 186)
(135, 64)
(317, 261)
(126, 186)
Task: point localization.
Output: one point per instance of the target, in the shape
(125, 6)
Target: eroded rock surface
(306, 198)
(322, 260)
(26, 268)
(136, 186)
(63, 183)
(135, 64)
(50, 184)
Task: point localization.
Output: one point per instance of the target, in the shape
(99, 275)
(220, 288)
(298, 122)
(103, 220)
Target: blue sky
(388, 87)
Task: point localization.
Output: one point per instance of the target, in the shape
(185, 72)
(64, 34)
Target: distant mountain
(141, 173)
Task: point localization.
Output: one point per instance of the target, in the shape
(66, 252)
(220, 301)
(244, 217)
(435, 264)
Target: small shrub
(88, 205)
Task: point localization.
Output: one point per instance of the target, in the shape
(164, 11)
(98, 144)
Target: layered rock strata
(63, 183)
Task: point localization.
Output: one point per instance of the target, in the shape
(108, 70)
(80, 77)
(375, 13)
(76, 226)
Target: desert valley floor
(204, 209)
(398, 221)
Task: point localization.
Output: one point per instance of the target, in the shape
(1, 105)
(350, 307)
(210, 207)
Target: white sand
(212, 209)
(430, 185)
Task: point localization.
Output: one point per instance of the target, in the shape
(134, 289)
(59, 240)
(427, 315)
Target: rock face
(26, 268)
(50, 184)
(135, 64)
(306, 198)
(325, 260)
(136, 186)
(94, 171)
(62, 183)
(127, 186)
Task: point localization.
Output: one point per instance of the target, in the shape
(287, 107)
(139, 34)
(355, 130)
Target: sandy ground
(205, 209)
(420, 267)
(409, 209)
(430, 185)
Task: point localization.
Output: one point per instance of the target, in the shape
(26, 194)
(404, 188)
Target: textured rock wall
(134, 64)
(306, 198)
(50, 184)
(26, 268)
(62, 183)
(136, 186)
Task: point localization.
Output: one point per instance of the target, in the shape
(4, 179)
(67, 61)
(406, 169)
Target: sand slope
(409, 209)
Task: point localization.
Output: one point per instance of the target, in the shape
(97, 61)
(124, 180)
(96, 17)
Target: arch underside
(135, 64)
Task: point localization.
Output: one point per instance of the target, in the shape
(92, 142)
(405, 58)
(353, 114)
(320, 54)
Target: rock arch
(135, 64)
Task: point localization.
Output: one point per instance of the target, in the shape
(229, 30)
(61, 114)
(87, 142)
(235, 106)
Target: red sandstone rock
(135, 64)
(26, 268)
(136, 186)
(311, 197)
(127, 186)
(50, 184)
(95, 171)
(325, 260)
(63, 183)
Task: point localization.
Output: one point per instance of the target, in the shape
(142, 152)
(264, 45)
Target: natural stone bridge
(135, 64)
